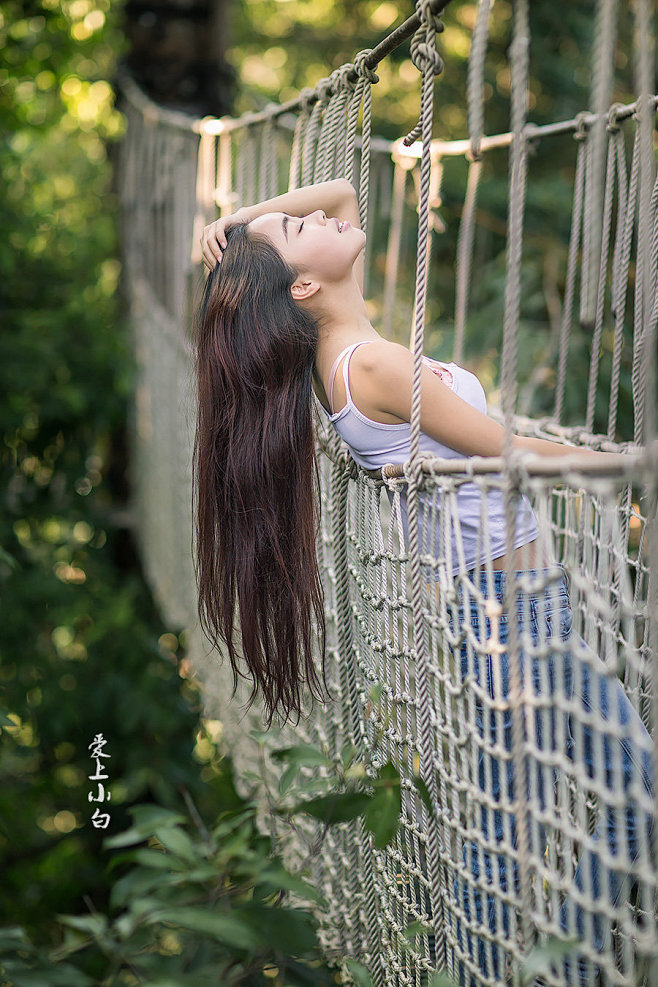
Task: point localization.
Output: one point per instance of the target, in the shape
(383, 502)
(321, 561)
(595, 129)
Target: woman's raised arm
(337, 198)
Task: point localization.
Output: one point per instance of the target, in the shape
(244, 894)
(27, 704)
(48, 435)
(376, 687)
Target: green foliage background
(82, 648)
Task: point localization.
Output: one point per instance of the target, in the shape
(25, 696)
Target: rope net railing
(541, 802)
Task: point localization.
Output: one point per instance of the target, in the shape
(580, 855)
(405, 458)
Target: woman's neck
(343, 319)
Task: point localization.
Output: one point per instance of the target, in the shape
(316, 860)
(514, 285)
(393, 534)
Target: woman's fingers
(213, 239)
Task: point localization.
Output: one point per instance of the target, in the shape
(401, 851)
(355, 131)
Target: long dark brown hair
(255, 475)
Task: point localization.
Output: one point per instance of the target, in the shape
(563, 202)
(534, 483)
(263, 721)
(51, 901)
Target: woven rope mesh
(540, 780)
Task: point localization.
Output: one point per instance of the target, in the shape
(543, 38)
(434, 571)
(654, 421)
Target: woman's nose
(321, 216)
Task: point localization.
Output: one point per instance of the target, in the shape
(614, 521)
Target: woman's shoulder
(382, 355)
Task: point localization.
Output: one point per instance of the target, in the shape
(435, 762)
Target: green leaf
(94, 925)
(441, 980)
(73, 942)
(178, 843)
(417, 929)
(287, 778)
(15, 937)
(230, 929)
(375, 694)
(63, 975)
(265, 736)
(424, 792)
(9, 559)
(337, 807)
(302, 754)
(4, 719)
(287, 930)
(155, 859)
(133, 884)
(143, 906)
(541, 958)
(359, 973)
(148, 820)
(382, 815)
(276, 878)
(128, 838)
(347, 754)
(149, 817)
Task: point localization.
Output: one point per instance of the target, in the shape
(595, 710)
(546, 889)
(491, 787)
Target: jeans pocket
(559, 622)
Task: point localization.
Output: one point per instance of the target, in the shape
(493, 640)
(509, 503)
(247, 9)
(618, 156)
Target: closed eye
(300, 227)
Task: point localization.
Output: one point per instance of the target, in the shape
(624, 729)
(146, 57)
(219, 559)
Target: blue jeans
(544, 619)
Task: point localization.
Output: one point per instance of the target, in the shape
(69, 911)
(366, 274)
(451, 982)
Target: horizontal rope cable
(440, 148)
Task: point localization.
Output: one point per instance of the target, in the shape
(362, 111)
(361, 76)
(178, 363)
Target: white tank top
(374, 444)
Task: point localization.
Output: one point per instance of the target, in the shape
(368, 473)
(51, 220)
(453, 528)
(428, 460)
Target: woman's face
(324, 249)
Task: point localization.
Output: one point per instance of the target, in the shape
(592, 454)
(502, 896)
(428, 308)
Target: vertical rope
(241, 169)
(600, 298)
(603, 51)
(465, 255)
(350, 130)
(631, 204)
(205, 191)
(364, 171)
(362, 94)
(519, 58)
(364, 174)
(475, 116)
(325, 103)
(269, 159)
(618, 286)
(572, 269)
(299, 138)
(645, 404)
(427, 60)
(310, 140)
(400, 169)
(340, 475)
(475, 78)
(250, 164)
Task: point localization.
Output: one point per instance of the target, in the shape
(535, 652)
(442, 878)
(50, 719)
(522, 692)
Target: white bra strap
(347, 353)
(346, 366)
(332, 377)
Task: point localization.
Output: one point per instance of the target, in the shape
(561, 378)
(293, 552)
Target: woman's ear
(303, 290)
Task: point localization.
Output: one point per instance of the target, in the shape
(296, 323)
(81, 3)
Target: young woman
(283, 314)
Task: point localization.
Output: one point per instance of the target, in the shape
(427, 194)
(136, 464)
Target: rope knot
(581, 131)
(324, 89)
(614, 126)
(362, 70)
(428, 15)
(474, 153)
(307, 98)
(532, 138)
(343, 78)
(424, 55)
(639, 102)
(413, 471)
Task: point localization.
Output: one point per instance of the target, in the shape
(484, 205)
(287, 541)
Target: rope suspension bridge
(390, 626)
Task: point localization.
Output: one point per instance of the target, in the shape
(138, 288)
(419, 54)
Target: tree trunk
(177, 53)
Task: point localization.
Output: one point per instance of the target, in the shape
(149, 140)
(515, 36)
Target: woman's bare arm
(337, 198)
(383, 373)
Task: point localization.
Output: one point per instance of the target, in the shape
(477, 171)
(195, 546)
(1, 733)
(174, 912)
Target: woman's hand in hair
(213, 238)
